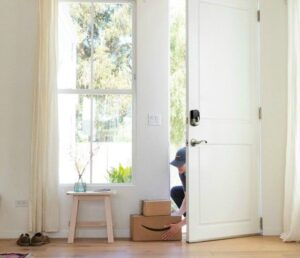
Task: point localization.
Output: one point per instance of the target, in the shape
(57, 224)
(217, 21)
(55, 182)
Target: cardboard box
(156, 207)
(151, 228)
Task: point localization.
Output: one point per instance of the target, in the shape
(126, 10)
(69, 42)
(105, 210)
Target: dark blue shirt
(182, 178)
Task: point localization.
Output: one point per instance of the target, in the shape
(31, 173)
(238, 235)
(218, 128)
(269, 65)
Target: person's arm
(182, 208)
(174, 228)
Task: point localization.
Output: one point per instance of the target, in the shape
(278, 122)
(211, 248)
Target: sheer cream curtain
(44, 210)
(291, 221)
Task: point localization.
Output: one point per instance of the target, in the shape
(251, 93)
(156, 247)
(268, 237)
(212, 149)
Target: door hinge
(186, 142)
(260, 113)
(258, 15)
(261, 223)
(187, 120)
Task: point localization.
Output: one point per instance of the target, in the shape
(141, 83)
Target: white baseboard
(101, 233)
(272, 232)
(10, 234)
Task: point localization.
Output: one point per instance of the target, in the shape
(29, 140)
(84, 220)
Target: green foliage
(120, 174)
(104, 42)
(178, 76)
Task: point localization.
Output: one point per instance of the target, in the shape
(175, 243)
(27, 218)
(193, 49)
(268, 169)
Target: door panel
(212, 181)
(222, 35)
(223, 175)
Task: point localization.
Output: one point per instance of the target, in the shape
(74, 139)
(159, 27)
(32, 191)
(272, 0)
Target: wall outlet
(21, 203)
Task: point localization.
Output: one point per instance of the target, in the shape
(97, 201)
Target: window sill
(92, 187)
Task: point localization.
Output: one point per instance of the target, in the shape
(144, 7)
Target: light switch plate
(154, 119)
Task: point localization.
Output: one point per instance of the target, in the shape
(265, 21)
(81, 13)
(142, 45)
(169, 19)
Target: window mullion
(92, 87)
(91, 139)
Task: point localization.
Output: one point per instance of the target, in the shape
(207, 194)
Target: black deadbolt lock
(194, 117)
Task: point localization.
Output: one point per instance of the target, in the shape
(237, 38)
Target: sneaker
(24, 240)
(39, 239)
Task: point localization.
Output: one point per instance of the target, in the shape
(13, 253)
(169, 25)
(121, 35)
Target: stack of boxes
(154, 221)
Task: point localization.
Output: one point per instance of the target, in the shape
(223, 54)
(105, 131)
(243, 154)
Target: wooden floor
(248, 247)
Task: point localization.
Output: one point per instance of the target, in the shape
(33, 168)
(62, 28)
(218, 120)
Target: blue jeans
(177, 194)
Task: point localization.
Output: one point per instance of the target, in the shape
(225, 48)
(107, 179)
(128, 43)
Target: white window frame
(95, 92)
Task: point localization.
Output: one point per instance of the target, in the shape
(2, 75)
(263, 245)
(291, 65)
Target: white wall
(274, 103)
(18, 30)
(18, 22)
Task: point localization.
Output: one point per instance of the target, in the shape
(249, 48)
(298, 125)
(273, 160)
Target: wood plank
(92, 193)
(248, 247)
(73, 220)
(90, 224)
(109, 224)
(91, 197)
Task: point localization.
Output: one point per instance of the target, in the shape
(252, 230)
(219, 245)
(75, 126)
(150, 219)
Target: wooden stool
(91, 196)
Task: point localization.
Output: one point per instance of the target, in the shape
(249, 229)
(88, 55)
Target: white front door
(223, 174)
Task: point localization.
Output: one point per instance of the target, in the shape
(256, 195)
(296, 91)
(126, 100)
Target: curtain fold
(44, 209)
(291, 220)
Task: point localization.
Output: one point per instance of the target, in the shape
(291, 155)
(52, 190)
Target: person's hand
(174, 228)
(175, 213)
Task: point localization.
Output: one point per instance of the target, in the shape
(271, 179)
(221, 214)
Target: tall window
(95, 90)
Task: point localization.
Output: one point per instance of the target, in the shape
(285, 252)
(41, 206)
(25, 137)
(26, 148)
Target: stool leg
(109, 225)
(73, 220)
